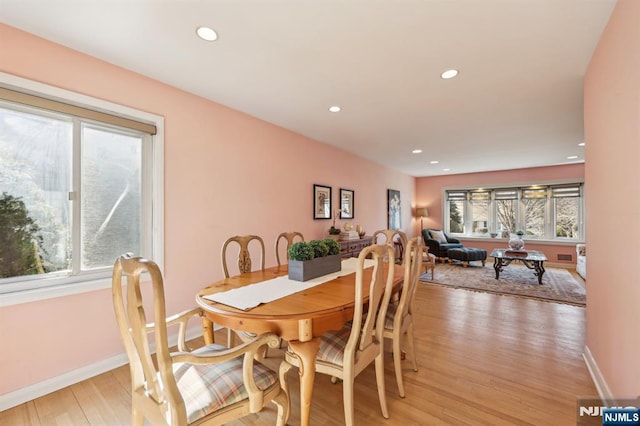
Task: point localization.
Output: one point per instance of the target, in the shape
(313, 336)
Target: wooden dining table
(300, 318)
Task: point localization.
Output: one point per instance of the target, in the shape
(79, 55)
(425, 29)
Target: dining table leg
(306, 352)
(207, 331)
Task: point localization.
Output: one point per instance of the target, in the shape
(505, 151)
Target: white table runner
(252, 295)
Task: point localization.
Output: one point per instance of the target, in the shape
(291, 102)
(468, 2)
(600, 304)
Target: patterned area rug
(557, 284)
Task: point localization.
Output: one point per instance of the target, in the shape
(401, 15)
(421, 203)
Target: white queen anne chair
(211, 385)
(398, 325)
(343, 354)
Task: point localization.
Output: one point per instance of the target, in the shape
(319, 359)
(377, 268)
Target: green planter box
(314, 268)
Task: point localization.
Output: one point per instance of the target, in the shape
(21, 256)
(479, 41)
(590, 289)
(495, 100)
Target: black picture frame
(347, 203)
(321, 202)
(394, 211)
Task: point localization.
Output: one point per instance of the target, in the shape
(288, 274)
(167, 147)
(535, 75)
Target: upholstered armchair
(439, 243)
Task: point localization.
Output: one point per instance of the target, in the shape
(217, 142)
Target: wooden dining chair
(398, 326)
(210, 385)
(392, 238)
(428, 260)
(244, 265)
(345, 353)
(289, 237)
(244, 256)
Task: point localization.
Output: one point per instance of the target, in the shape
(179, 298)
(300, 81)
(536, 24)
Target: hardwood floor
(483, 360)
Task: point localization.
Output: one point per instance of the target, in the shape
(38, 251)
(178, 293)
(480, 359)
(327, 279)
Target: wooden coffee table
(532, 259)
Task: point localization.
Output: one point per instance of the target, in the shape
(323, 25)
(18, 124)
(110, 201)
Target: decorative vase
(516, 243)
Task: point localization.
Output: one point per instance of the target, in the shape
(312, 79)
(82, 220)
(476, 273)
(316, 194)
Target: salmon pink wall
(226, 173)
(429, 192)
(612, 135)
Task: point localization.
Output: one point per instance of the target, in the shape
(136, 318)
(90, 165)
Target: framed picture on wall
(321, 202)
(393, 209)
(346, 204)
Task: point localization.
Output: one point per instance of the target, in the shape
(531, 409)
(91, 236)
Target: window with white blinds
(544, 212)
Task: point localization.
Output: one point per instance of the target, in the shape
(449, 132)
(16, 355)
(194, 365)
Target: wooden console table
(352, 248)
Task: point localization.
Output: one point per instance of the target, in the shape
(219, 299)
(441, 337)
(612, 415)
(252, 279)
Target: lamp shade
(422, 212)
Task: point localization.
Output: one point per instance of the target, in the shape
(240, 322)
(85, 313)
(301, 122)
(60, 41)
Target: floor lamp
(422, 212)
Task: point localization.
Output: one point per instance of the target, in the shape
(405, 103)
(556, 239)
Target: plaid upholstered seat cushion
(207, 388)
(332, 345)
(391, 314)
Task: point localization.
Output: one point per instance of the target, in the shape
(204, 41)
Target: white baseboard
(601, 385)
(36, 390)
(15, 398)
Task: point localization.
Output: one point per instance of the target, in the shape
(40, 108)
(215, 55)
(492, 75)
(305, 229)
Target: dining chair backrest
(132, 319)
(390, 237)
(289, 237)
(344, 353)
(399, 321)
(412, 269)
(244, 256)
(367, 327)
(186, 386)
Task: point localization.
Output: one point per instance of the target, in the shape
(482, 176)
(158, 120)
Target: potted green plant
(308, 260)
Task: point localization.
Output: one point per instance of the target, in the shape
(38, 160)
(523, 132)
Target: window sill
(34, 295)
(526, 241)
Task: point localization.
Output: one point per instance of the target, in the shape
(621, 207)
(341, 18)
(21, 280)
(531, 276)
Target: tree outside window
(534, 217)
(21, 240)
(456, 217)
(566, 217)
(506, 213)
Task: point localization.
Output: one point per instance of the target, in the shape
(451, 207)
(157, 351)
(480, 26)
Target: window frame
(152, 193)
(549, 210)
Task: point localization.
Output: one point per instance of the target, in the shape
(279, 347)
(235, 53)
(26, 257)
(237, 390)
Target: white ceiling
(516, 103)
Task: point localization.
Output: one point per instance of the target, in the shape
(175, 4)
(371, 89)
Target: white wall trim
(598, 379)
(36, 390)
(53, 384)
(45, 293)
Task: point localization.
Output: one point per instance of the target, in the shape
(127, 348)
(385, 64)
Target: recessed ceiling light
(335, 108)
(434, 162)
(581, 144)
(572, 157)
(416, 151)
(446, 170)
(207, 34)
(449, 74)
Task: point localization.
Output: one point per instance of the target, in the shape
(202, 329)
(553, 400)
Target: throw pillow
(438, 236)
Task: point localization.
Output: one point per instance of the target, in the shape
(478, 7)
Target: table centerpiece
(308, 260)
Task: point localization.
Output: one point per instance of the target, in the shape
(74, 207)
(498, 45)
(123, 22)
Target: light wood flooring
(483, 360)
